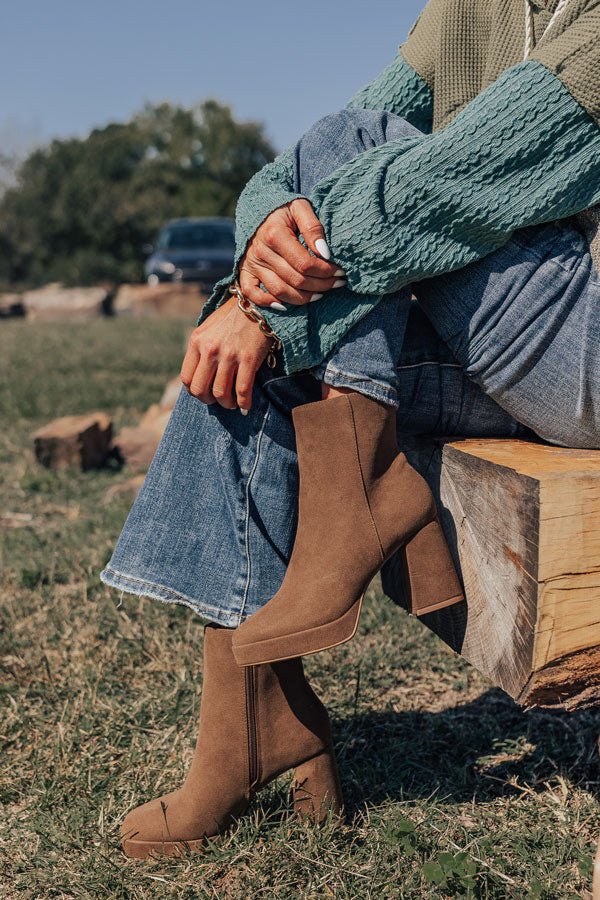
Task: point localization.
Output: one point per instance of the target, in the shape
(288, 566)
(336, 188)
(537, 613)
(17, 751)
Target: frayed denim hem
(329, 374)
(136, 586)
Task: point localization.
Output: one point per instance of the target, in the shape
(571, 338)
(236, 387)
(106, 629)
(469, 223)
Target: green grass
(452, 790)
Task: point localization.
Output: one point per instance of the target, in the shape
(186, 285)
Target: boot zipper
(253, 763)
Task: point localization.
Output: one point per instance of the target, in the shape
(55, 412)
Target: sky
(68, 66)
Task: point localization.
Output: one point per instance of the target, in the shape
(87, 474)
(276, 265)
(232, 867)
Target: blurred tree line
(81, 210)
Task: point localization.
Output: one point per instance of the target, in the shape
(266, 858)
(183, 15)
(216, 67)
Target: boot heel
(317, 788)
(430, 578)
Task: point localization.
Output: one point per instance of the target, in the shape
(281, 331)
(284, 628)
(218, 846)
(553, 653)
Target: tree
(81, 210)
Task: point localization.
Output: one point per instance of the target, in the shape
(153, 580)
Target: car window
(197, 237)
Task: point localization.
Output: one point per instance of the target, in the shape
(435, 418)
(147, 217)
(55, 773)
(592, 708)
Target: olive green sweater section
(513, 144)
(460, 47)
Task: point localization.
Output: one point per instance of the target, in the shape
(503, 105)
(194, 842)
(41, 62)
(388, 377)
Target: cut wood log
(129, 488)
(55, 301)
(137, 446)
(168, 299)
(171, 393)
(11, 306)
(83, 441)
(523, 522)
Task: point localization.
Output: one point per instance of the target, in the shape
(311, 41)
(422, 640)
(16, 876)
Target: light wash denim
(507, 346)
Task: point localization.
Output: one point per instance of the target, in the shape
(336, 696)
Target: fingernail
(323, 249)
(339, 272)
(340, 282)
(277, 305)
(244, 412)
(315, 297)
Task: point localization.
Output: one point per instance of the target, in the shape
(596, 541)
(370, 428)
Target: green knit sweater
(507, 143)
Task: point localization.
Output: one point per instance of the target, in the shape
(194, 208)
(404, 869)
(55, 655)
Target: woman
(452, 177)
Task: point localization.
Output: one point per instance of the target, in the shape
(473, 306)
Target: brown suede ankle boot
(360, 501)
(255, 723)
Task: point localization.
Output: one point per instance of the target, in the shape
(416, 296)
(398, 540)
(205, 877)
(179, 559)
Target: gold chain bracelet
(252, 313)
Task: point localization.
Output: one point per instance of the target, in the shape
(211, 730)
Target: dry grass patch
(452, 790)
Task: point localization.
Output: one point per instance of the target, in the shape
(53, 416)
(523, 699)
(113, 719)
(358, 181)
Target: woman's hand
(226, 351)
(276, 258)
(226, 348)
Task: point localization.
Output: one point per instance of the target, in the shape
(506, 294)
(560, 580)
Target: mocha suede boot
(360, 501)
(255, 723)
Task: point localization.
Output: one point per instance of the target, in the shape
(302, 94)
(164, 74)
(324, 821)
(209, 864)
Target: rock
(83, 441)
(130, 488)
(54, 301)
(11, 305)
(168, 299)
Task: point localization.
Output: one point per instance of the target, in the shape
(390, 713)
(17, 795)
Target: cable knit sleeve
(397, 89)
(522, 152)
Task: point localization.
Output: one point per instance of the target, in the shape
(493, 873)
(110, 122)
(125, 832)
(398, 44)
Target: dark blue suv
(192, 250)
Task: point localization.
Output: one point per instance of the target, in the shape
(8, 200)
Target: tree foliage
(82, 209)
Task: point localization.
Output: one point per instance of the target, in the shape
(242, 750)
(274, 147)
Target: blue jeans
(507, 346)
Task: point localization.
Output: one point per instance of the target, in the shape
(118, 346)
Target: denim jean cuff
(330, 374)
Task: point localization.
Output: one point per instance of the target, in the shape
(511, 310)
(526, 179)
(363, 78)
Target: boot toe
(147, 823)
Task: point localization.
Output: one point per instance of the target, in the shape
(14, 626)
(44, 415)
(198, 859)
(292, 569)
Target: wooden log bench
(523, 523)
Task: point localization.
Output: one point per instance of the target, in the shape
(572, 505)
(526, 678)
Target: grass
(452, 790)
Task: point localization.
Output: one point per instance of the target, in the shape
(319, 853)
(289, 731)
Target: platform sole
(144, 849)
(301, 643)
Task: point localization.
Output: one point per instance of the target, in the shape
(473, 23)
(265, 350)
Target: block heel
(317, 788)
(430, 578)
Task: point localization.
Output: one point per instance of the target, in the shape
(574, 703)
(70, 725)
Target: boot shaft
(331, 433)
(350, 435)
(255, 723)
(291, 721)
(259, 720)
(356, 474)
(376, 440)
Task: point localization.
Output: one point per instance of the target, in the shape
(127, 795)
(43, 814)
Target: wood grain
(523, 522)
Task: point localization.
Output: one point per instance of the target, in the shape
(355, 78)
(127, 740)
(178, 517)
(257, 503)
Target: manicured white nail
(315, 297)
(323, 249)
(339, 272)
(340, 282)
(244, 412)
(277, 305)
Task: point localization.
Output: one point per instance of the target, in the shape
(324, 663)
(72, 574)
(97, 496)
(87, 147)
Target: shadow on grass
(478, 751)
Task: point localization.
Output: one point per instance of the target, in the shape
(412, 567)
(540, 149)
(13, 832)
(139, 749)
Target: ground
(452, 790)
